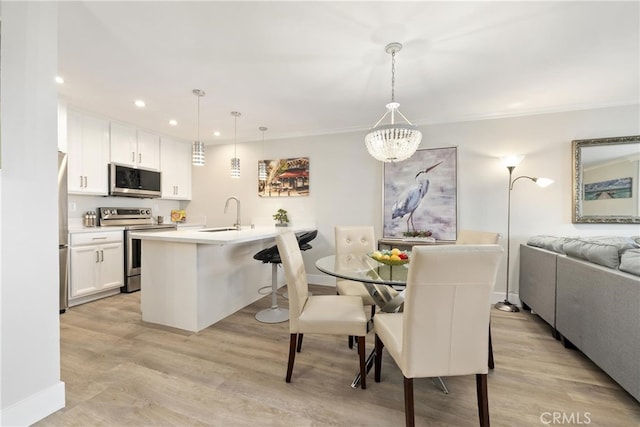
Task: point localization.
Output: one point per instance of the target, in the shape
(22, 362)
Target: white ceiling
(312, 68)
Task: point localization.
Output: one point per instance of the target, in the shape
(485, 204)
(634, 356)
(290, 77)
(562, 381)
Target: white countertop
(82, 229)
(229, 237)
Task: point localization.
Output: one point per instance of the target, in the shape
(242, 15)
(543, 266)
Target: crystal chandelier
(235, 161)
(262, 164)
(393, 142)
(197, 153)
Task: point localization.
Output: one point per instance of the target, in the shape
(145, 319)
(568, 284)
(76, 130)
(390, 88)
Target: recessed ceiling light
(139, 103)
(59, 80)
(173, 122)
(216, 133)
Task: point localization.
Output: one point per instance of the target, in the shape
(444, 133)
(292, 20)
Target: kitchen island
(193, 278)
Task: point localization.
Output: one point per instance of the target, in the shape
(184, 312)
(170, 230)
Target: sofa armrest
(538, 281)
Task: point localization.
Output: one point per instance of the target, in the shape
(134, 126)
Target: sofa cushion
(630, 261)
(550, 243)
(604, 251)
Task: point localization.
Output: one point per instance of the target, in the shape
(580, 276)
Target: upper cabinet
(88, 153)
(175, 163)
(135, 148)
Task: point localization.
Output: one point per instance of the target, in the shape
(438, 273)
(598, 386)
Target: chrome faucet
(226, 206)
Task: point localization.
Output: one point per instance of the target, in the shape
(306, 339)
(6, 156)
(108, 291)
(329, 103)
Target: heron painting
(420, 195)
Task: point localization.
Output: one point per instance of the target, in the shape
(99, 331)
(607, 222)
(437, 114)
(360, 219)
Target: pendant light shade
(197, 152)
(393, 142)
(262, 164)
(235, 161)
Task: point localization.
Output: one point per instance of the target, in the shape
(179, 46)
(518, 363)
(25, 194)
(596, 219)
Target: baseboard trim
(35, 407)
(513, 298)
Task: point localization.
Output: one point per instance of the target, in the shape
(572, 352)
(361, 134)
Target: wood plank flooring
(120, 371)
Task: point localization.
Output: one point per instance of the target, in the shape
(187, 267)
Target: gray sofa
(588, 290)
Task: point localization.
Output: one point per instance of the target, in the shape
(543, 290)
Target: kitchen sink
(215, 230)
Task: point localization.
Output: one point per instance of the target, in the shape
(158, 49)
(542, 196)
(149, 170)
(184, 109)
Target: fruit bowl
(391, 257)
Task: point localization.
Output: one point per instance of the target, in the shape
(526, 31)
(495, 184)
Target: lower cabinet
(96, 265)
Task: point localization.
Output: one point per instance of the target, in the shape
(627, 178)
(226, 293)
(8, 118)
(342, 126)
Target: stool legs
(274, 314)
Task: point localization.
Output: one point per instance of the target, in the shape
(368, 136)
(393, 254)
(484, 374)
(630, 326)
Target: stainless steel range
(132, 219)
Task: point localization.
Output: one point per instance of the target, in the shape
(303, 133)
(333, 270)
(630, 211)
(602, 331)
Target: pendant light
(197, 153)
(393, 142)
(235, 161)
(262, 164)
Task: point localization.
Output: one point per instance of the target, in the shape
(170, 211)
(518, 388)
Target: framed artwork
(284, 177)
(421, 196)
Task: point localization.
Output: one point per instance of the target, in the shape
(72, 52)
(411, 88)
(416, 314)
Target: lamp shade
(512, 161)
(235, 167)
(197, 153)
(544, 182)
(393, 143)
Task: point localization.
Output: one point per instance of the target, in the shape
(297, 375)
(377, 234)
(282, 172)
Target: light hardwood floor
(119, 371)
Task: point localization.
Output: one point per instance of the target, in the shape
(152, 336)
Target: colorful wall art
(285, 178)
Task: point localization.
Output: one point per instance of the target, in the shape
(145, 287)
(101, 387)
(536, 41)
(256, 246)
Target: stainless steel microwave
(131, 182)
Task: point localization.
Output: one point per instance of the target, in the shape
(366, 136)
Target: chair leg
(491, 364)
(379, 347)
(350, 341)
(408, 402)
(292, 356)
(361, 357)
(299, 342)
(483, 399)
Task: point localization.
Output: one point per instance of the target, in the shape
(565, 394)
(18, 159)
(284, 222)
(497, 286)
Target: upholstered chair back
(447, 308)
(295, 275)
(355, 240)
(473, 237)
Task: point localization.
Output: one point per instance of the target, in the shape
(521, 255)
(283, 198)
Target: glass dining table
(377, 278)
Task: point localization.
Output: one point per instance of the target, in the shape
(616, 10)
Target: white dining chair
(321, 314)
(444, 326)
(475, 237)
(356, 240)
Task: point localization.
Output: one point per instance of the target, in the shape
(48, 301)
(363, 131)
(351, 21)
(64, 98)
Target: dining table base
(369, 364)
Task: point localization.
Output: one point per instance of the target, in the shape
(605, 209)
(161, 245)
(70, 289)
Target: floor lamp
(511, 162)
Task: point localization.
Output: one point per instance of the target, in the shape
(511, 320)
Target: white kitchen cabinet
(88, 154)
(135, 148)
(96, 265)
(175, 161)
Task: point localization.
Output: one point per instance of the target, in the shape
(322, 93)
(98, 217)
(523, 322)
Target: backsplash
(79, 205)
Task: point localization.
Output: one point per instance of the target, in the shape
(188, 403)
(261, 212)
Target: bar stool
(273, 314)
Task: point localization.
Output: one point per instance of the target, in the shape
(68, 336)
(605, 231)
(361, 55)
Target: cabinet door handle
(97, 256)
(85, 181)
(139, 157)
(101, 255)
(99, 238)
(81, 181)
(133, 156)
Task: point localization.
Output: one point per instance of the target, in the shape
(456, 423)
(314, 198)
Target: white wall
(29, 319)
(346, 183)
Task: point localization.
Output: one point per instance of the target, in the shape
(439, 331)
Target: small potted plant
(281, 217)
